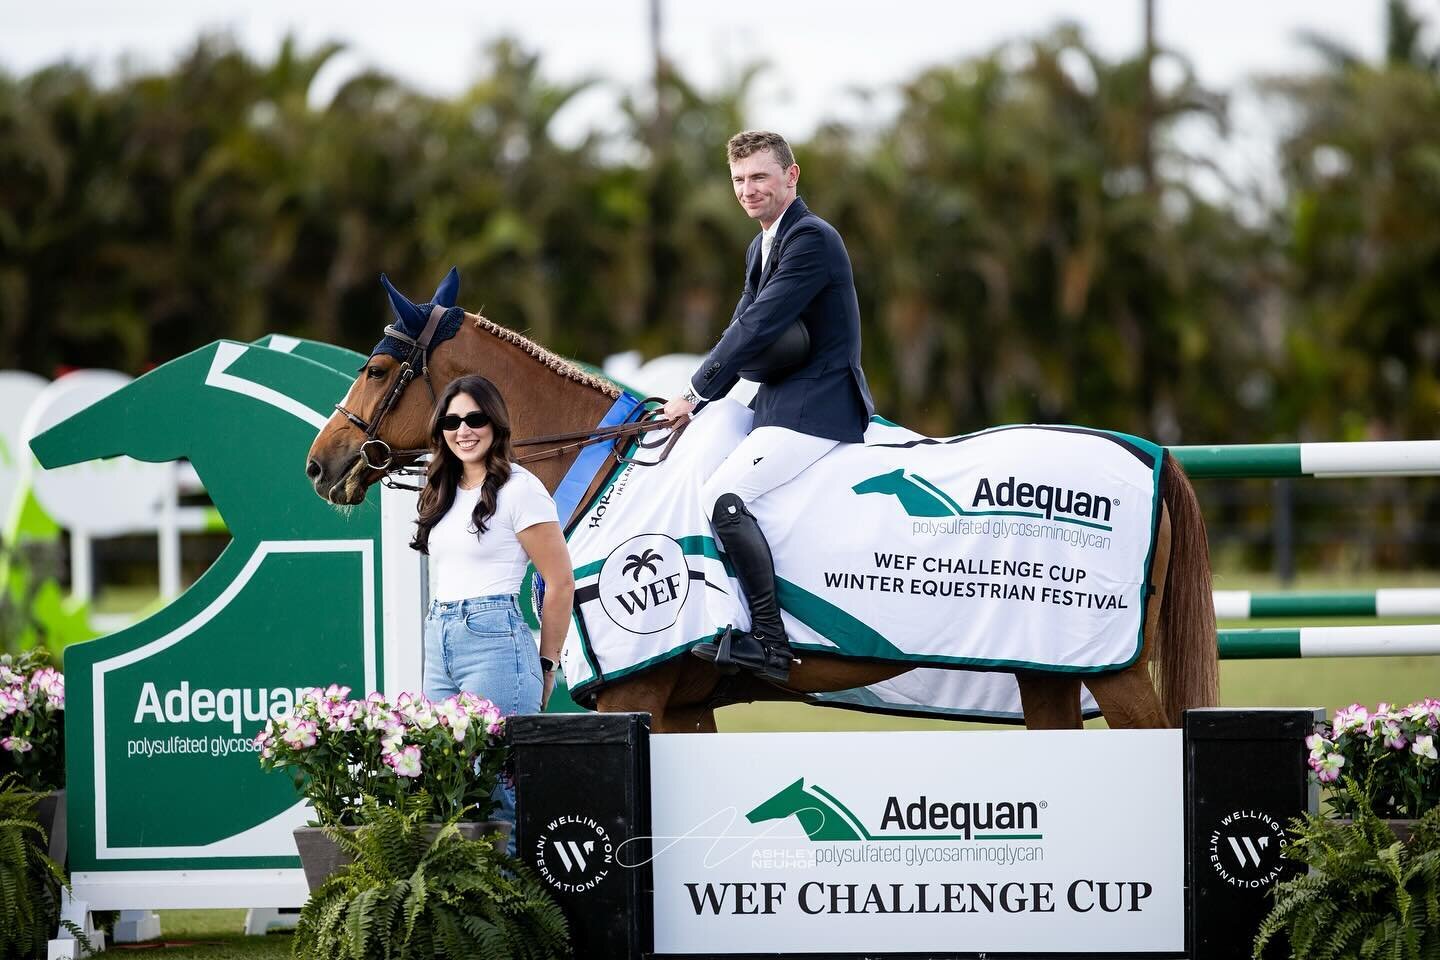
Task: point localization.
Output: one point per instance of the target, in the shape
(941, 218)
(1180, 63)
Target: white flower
(1424, 746)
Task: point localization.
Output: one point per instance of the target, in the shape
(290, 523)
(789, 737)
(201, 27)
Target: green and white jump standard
(1397, 458)
(1397, 602)
(1280, 643)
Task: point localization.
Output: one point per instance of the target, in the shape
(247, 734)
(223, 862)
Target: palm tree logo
(647, 560)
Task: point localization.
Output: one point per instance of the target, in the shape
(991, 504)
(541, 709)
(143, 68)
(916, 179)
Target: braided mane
(553, 361)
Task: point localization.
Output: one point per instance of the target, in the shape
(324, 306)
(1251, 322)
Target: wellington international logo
(824, 817)
(994, 498)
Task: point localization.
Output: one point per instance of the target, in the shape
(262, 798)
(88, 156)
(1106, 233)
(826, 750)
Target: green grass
(215, 935)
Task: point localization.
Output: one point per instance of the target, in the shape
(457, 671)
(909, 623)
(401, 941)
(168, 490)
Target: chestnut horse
(548, 395)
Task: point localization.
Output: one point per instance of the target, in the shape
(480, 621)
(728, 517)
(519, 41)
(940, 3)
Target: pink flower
(341, 715)
(1394, 737)
(1353, 717)
(392, 734)
(473, 702)
(18, 701)
(301, 735)
(1328, 768)
(15, 744)
(378, 716)
(335, 693)
(453, 715)
(1425, 713)
(405, 762)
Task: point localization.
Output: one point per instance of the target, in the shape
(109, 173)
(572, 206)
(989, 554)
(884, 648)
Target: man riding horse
(796, 329)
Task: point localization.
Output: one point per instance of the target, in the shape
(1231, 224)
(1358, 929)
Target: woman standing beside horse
(482, 520)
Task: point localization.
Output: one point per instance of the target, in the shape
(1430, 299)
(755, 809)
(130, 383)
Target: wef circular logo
(644, 583)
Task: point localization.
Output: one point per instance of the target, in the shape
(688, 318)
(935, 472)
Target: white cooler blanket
(1017, 547)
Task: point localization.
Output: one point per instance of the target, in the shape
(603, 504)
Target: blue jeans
(483, 646)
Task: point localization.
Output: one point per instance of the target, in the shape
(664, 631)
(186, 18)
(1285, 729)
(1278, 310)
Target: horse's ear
(449, 289)
(406, 313)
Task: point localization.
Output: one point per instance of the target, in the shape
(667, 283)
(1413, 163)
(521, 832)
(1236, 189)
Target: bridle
(419, 353)
(643, 419)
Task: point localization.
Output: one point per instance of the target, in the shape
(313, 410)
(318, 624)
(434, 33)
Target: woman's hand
(547, 681)
(545, 546)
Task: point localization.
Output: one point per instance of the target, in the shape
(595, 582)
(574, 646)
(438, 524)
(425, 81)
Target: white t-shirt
(464, 565)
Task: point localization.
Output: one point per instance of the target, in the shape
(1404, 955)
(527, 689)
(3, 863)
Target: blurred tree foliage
(1023, 249)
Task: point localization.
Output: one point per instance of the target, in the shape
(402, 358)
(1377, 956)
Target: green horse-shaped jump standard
(162, 775)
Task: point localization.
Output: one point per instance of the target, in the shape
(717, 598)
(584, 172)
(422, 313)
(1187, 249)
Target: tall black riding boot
(764, 650)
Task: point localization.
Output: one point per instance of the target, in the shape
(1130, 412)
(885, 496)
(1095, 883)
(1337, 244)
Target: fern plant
(408, 895)
(1366, 895)
(30, 881)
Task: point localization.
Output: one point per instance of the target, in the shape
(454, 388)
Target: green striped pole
(1304, 642)
(1245, 605)
(1395, 458)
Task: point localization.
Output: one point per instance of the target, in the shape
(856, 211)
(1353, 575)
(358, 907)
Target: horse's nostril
(313, 470)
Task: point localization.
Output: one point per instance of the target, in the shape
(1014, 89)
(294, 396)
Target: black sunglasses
(474, 420)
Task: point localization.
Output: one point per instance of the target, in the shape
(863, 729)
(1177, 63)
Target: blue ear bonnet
(410, 318)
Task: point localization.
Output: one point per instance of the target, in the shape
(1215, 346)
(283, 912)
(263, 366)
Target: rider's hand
(677, 407)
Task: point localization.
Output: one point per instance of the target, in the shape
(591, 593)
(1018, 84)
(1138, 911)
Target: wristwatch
(690, 396)
(547, 665)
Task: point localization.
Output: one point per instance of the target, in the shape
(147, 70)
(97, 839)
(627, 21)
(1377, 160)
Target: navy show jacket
(807, 277)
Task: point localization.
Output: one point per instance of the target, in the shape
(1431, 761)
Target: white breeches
(767, 458)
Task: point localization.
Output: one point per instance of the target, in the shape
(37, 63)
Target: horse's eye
(375, 373)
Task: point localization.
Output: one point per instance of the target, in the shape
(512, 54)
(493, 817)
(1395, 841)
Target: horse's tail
(1186, 659)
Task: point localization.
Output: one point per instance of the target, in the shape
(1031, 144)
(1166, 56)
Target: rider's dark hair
(746, 142)
(445, 470)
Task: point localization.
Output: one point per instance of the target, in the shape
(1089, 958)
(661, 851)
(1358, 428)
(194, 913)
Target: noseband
(643, 420)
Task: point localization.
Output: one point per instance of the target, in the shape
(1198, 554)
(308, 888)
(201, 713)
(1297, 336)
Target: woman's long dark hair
(445, 470)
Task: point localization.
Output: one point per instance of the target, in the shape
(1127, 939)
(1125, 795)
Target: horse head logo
(915, 498)
(819, 814)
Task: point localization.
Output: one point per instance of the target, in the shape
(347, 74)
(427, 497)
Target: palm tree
(1361, 167)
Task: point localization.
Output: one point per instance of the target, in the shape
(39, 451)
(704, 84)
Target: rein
(647, 421)
(641, 420)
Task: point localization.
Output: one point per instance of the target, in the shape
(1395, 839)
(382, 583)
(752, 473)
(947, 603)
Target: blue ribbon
(582, 472)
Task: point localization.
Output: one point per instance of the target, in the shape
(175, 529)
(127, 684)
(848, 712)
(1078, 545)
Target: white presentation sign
(1032, 842)
(101, 498)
